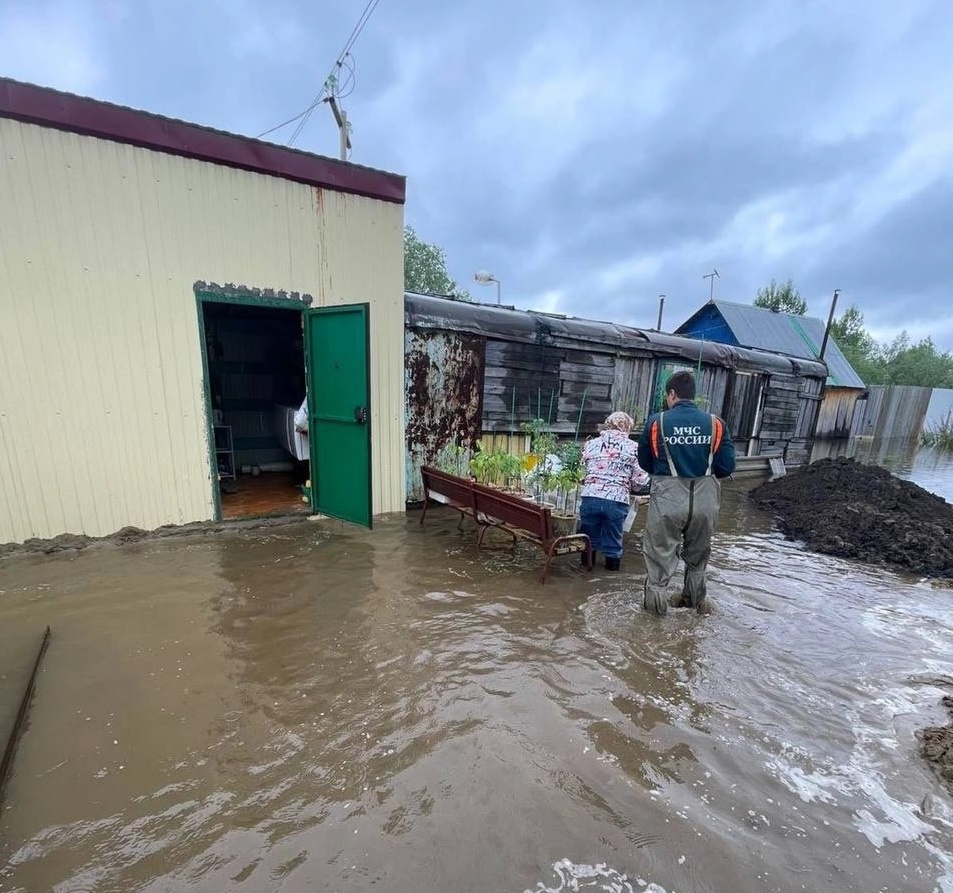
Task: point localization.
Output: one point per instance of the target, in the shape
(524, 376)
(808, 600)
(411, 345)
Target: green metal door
(336, 348)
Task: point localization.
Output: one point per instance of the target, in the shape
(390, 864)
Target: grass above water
(940, 435)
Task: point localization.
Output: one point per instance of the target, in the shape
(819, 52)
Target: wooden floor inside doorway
(268, 493)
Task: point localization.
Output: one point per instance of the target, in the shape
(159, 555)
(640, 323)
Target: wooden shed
(480, 371)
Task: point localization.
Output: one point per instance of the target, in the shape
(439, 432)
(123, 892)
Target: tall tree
(785, 298)
(901, 362)
(918, 364)
(858, 346)
(425, 268)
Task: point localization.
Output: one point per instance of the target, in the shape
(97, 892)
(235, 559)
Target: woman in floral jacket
(612, 473)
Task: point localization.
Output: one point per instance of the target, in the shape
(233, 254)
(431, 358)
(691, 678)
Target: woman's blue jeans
(601, 520)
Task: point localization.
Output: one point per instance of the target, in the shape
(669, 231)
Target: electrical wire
(331, 86)
(345, 86)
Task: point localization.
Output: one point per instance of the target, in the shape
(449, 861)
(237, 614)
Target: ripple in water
(571, 877)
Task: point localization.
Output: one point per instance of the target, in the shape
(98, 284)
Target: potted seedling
(511, 472)
(546, 463)
(454, 459)
(566, 481)
(481, 464)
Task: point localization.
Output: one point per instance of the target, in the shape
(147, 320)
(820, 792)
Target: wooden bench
(448, 489)
(491, 509)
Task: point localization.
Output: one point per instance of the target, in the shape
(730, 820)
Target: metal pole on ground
(21, 714)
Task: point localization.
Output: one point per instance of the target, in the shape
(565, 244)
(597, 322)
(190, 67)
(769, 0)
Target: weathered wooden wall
(634, 385)
(836, 414)
(891, 411)
(567, 388)
(742, 405)
(783, 407)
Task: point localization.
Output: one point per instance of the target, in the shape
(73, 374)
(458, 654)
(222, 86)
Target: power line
(330, 87)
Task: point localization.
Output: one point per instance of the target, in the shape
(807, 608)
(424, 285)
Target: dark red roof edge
(91, 117)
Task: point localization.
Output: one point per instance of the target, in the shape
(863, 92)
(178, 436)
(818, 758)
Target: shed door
(336, 350)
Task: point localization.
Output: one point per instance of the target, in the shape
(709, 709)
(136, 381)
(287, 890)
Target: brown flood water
(318, 707)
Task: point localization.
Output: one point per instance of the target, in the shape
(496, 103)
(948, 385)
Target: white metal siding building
(108, 216)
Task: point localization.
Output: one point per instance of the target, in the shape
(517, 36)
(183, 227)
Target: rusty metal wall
(891, 411)
(443, 383)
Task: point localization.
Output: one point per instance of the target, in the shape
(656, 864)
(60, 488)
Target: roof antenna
(711, 284)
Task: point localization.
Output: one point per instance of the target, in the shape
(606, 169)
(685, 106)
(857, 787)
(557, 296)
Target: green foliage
(570, 454)
(542, 440)
(940, 435)
(919, 364)
(496, 467)
(785, 298)
(857, 345)
(454, 459)
(425, 268)
(901, 362)
(487, 465)
(511, 471)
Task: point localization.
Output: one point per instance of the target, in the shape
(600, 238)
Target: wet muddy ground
(856, 510)
(316, 707)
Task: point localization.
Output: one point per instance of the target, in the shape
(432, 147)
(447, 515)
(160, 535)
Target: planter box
(517, 516)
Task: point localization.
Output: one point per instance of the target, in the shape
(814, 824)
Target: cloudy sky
(592, 155)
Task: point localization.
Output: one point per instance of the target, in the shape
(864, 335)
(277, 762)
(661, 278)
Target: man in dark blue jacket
(686, 450)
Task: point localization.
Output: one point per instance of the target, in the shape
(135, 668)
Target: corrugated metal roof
(448, 314)
(785, 333)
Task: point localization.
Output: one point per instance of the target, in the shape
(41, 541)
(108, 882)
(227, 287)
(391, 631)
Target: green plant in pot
(454, 459)
(481, 464)
(495, 468)
(511, 472)
(543, 443)
(567, 483)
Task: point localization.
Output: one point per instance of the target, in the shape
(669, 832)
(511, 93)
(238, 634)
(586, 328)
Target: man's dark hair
(683, 383)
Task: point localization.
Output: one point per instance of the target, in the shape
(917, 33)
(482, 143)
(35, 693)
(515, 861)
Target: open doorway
(256, 386)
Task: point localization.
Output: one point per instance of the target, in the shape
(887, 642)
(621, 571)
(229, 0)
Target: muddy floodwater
(317, 707)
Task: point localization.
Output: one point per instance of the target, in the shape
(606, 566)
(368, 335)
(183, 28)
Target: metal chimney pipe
(830, 322)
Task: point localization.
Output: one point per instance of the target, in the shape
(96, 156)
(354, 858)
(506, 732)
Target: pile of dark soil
(842, 507)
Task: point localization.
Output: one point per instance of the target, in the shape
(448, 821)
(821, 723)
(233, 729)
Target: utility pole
(344, 126)
(661, 304)
(711, 283)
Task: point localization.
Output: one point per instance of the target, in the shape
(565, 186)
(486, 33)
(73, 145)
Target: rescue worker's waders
(682, 513)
